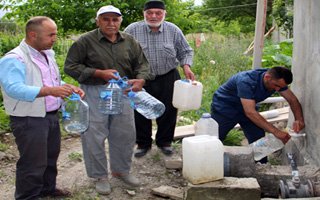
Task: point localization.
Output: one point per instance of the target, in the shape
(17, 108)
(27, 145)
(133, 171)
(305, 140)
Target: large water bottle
(206, 126)
(146, 104)
(110, 102)
(75, 114)
(266, 146)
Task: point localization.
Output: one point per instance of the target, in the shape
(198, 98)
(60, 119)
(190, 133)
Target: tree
(79, 15)
(282, 12)
(234, 10)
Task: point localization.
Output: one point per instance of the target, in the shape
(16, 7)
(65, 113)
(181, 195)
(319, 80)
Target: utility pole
(259, 33)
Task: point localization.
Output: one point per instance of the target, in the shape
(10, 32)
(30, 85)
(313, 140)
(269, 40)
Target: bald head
(35, 23)
(41, 32)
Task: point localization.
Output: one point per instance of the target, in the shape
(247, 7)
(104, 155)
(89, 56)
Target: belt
(52, 112)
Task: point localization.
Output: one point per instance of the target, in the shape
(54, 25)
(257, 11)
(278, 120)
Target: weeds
(75, 156)
(3, 147)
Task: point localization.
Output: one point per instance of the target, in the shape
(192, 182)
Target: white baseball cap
(108, 9)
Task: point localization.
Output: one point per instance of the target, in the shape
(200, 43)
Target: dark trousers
(251, 131)
(162, 89)
(38, 140)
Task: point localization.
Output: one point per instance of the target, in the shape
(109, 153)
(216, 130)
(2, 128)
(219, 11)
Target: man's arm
(296, 108)
(255, 117)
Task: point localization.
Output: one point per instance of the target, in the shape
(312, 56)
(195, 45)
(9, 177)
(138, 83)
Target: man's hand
(282, 135)
(297, 126)
(106, 74)
(188, 73)
(62, 91)
(137, 84)
(77, 90)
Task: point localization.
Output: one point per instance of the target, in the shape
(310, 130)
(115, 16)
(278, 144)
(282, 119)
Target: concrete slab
(229, 188)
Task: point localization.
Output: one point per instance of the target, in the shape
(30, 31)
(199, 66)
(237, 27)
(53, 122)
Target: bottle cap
(206, 115)
(131, 94)
(74, 97)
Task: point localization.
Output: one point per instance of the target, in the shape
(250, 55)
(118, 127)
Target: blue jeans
(251, 131)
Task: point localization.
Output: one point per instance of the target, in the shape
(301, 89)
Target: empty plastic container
(206, 126)
(187, 95)
(202, 159)
(110, 102)
(75, 115)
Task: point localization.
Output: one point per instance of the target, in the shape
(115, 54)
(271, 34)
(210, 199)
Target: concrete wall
(306, 70)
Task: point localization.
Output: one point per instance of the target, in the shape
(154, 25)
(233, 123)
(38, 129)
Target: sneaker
(168, 151)
(103, 186)
(129, 180)
(141, 152)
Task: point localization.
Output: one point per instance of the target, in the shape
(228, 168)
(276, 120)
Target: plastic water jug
(146, 104)
(206, 126)
(187, 95)
(266, 146)
(75, 114)
(110, 102)
(202, 159)
(269, 144)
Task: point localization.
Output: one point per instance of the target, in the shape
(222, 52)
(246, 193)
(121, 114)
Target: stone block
(229, 188)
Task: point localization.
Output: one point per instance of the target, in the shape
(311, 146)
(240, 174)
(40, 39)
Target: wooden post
(259, 33)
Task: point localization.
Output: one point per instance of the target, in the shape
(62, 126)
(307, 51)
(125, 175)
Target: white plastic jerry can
(202, 159)
(187, 95)
(206, 126)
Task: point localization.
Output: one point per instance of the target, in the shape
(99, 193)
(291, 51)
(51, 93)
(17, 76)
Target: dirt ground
(149, 169)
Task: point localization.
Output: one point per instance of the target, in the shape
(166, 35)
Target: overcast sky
(197, 2)
(1, 13)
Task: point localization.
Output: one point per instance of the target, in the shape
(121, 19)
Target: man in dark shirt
(92, 61)
(236, 102)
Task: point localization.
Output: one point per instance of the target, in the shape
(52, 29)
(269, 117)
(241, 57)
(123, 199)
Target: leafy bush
(9, 41)
(278, 54)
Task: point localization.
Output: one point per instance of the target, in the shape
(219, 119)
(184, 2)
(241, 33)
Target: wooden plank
(188, 130)
(183, 131)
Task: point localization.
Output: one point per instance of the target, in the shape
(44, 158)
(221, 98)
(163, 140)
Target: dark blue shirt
(246, 85)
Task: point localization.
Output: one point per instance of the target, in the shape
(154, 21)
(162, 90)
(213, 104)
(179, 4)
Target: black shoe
(141, 152)
(168, 151)
(60, 193)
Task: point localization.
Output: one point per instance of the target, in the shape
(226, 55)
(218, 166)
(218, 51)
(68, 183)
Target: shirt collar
(160, 28)
(35, 53)
(120, 36)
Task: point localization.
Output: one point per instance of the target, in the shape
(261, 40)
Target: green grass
(3, 147)
(234, 138)
(75, 156)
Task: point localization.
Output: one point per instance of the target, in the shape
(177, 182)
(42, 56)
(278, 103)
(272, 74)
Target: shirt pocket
(169, 51)
(170, 55)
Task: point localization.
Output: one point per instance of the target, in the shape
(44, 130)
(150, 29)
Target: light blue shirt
(12, 80)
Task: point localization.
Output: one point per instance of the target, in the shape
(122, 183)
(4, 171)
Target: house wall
(306, 70)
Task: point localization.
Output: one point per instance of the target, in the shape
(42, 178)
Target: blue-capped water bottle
(123, 83)
(146, 104)
(75, 114)
(110, 102)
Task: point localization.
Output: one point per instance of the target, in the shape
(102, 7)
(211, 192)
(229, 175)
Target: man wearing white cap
(92, 61)
(166, 48)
